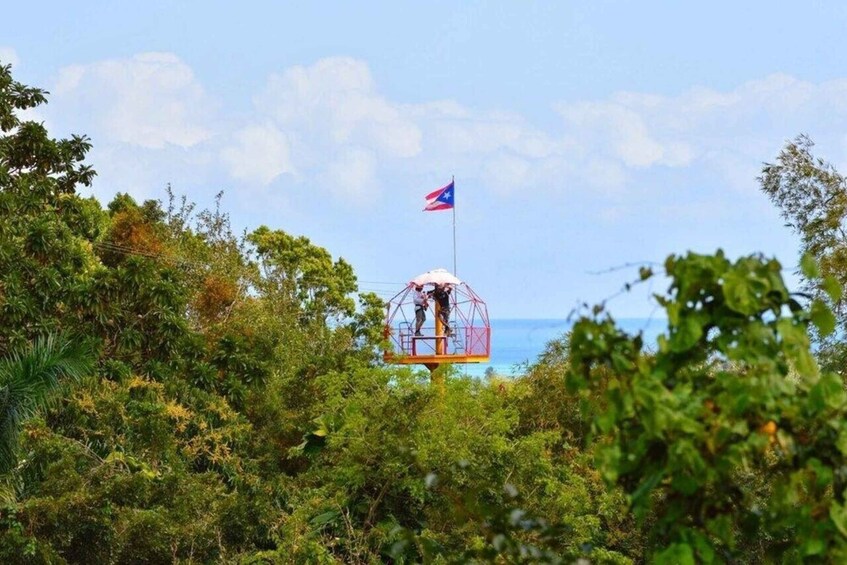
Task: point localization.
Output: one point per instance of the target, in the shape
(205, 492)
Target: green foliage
(238, 411)
(398, 468)
(304, 276)
(159, 456)
(810, 194)
(28, 381)
(729, 432)
(45, 259)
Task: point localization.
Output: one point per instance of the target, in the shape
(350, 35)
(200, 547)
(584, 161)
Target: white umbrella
(436, 276)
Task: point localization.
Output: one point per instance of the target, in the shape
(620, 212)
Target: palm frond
(28, 380)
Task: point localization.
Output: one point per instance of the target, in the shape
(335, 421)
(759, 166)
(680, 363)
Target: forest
(173, 392)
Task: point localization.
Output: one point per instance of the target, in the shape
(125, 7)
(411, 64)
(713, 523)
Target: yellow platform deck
(435, 359)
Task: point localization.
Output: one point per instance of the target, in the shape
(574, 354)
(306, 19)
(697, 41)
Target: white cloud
(332, 125)
(260, 154)
(599, 172)
(486, 133)
(352, 173)
(504, 172)
(150, 100)
(728, 133)
(328, 124)
(618, 129)
(333, 109)
(335, 102)
(8, 56)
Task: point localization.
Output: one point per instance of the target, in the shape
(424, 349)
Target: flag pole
(453, 182)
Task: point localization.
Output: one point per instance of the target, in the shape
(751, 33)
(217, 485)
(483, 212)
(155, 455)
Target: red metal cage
(468, 339)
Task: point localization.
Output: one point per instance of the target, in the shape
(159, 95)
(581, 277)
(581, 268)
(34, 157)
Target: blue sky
(582, 136)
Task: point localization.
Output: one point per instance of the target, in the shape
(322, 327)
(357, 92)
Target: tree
(28, 382)
(729, 432)
(45, 253)
(812, 197)
(304, 276)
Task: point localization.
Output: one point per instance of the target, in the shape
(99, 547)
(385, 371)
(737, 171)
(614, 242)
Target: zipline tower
(467, 339)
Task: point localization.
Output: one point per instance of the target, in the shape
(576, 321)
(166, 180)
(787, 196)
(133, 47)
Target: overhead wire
(108, 246)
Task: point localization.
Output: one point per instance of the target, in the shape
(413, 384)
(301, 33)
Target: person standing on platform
(421, 304)
(441, 294)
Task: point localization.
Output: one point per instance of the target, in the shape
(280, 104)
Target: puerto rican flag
(441, 199)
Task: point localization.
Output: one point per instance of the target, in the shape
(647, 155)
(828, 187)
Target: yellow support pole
(436, 378)
(440, 344)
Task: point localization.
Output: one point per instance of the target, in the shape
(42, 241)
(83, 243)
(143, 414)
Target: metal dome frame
(469, 339)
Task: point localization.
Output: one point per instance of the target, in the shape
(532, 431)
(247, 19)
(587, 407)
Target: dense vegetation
(170, 392)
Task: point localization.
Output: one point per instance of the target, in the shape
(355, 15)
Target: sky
(585, 138)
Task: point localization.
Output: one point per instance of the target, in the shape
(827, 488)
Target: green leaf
(827, 392)
(325, 518)
(703, 547)
(805, 364)
(813, 546)
(677, 554)
(685, 484)
(740, 292)
(606, 421)
(838, 515)
(832, 288)
(687, 333)
(621, 364)
(648, 485)
(795, 345)
(673, 309)
(809, 266)
(823, 474)
(722, 528)
(822, 317)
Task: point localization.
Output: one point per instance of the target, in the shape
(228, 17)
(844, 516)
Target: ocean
(516, 343)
